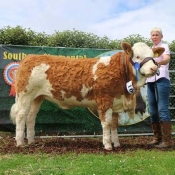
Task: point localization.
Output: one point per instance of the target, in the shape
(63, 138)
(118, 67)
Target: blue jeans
(158, 100)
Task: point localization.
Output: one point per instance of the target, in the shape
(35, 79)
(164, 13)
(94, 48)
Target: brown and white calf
(97, 83)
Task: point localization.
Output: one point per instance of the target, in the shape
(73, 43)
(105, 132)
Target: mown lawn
(138, 162)
(83, 156)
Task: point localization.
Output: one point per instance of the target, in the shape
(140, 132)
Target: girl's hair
(156, 29)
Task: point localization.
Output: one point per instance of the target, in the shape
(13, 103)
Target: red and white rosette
(9, 75)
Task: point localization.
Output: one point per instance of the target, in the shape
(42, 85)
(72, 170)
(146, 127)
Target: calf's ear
(158, 51)
(127, 48)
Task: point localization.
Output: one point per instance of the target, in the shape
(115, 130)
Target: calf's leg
(131, 116)
(30, 122)
(23, 110)
(114, 133)
(106, 121)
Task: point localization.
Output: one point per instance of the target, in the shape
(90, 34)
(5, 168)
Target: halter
(137, 67)
(146, 60)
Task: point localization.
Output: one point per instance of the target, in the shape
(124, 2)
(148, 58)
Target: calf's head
(142, 57)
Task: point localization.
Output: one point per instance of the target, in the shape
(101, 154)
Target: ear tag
(156, 55)
(130, 87)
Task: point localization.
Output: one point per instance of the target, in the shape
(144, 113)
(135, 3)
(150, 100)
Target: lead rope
(156, 91)
(125, 68)
(129, 85)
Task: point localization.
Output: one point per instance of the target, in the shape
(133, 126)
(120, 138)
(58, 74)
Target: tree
(14, 36)
(172, 46)
(67, 38)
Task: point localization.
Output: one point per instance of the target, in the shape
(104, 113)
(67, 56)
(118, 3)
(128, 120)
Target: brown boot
(157, 134)
(166, 135)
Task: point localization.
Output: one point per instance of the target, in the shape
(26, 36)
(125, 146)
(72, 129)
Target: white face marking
(145, 69)
(142, 50)
(105, 60)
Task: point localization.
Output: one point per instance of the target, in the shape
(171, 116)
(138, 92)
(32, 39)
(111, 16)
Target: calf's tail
(13, 112)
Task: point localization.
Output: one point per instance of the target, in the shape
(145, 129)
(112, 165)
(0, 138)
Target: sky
(115, 19)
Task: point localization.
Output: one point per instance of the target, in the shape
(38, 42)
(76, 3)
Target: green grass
(130, 163)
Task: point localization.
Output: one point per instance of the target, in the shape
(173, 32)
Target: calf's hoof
(20, 145)
(116, 145)
(108, 148)
(31, 141)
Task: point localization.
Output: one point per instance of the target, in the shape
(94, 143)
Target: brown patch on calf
(69, 75)
(111, 82)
